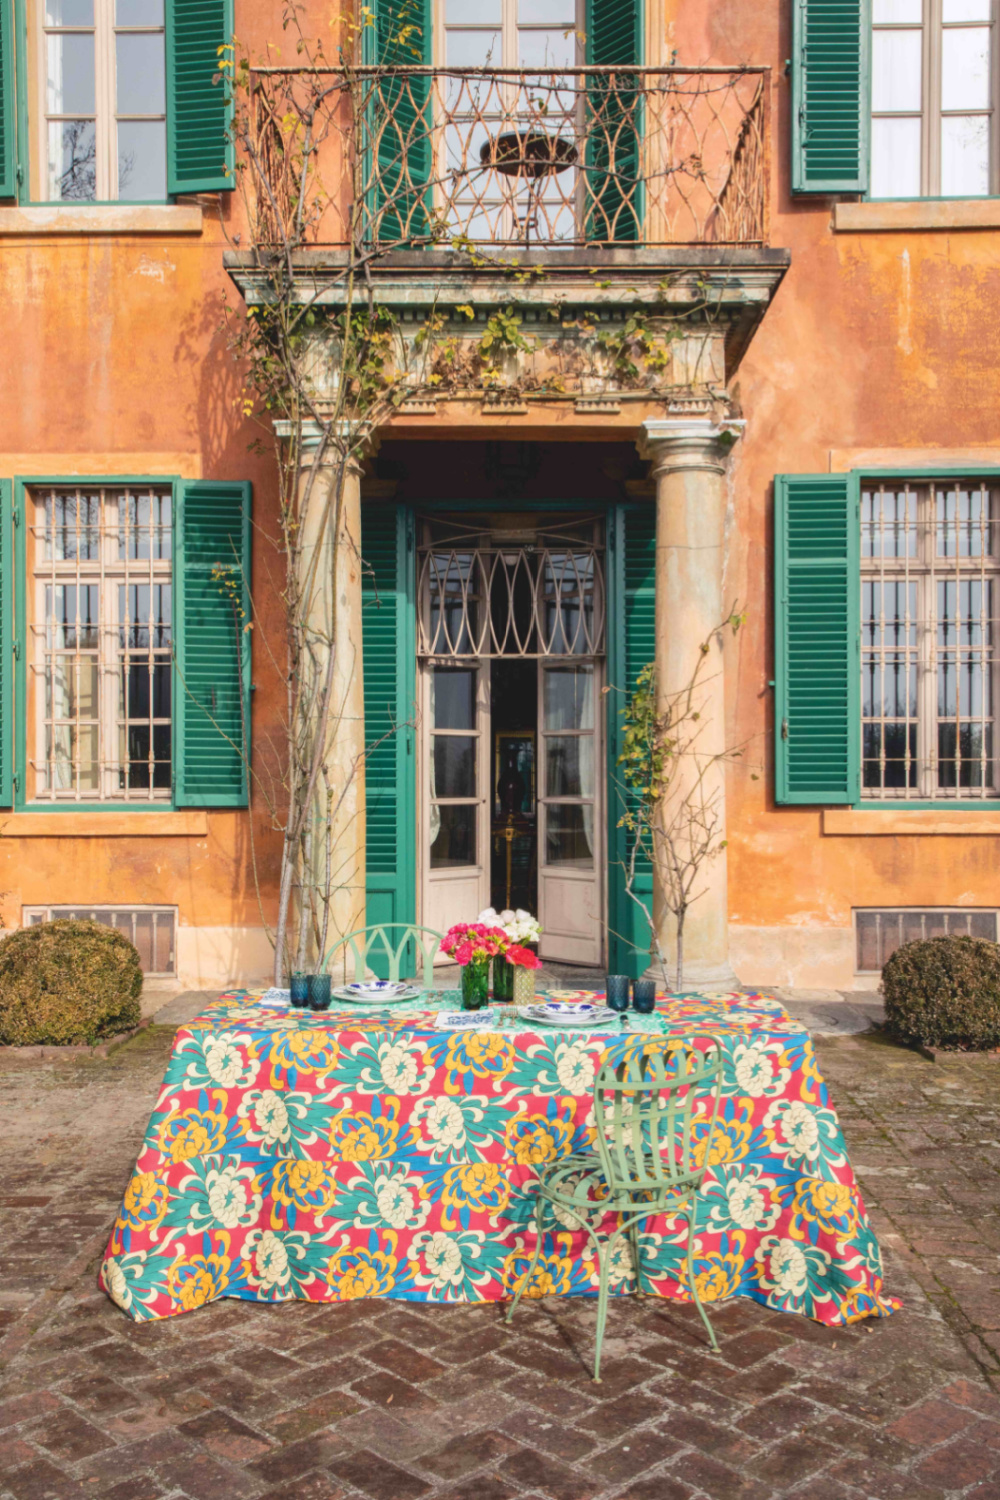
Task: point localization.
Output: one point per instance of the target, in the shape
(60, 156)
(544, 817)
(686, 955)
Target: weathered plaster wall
(116, 361)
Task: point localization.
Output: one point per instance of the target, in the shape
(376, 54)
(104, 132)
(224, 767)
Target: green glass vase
(476, 984)
(503, 979)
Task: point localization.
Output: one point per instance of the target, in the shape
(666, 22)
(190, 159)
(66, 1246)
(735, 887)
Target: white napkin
(464, 1020)
(276, 997)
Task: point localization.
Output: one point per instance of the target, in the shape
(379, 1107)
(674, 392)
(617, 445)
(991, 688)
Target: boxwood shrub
(67, 982)
(944, 992)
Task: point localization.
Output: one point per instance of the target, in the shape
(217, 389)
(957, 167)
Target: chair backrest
(649, 1134)
(373, 948)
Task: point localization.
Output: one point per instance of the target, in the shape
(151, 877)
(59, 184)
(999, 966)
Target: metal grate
(511, 601)
(102, 639)
(930, 559)
(150, 928)
(880, 933)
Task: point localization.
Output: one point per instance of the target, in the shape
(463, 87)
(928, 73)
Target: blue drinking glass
(299, 985)
(319, 991)
(644, 996)
(617, 988)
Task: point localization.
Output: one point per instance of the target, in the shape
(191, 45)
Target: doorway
(511, 631)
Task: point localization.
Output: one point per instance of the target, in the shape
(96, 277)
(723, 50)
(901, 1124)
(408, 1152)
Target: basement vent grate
(880, 933)
(150, 928)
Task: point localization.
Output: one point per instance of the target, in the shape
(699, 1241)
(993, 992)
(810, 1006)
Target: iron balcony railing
(543, 159)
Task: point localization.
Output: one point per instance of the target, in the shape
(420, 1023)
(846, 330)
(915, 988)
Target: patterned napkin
(465, 1020)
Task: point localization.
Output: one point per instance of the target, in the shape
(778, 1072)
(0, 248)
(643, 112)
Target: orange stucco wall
(878, 345)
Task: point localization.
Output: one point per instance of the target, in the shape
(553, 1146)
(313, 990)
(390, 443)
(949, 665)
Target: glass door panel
(569, 876)
(454, 793)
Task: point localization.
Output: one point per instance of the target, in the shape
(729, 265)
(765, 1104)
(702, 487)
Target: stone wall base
(797, 957)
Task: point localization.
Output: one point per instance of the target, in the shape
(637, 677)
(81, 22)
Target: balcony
(497, 159)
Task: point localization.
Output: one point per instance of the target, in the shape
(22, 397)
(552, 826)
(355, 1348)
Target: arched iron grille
(496, 600)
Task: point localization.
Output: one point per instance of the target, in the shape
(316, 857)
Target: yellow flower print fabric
(328, 1157)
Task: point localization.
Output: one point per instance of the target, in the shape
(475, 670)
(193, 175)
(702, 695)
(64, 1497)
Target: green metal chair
(370, 943)
(645, 1162)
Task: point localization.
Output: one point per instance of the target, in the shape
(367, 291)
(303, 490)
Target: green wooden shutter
(389, 659)
(8, 155)
(631, 644)
(399, 122)
(200, 148)
(614, 187)
(817, 638)
(831, 105)
(212, 644)
(6, 646)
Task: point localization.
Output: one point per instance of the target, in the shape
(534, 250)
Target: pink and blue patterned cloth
(330, 1156)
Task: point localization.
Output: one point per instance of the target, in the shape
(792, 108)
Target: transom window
(933, 99)
(930, 560)
(101, 100)
(101, 645)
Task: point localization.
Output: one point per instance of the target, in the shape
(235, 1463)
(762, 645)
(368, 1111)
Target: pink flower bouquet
(470, 942)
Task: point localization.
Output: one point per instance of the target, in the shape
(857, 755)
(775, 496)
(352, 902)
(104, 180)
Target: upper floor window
(933, 99)
(510, 33)
(101, 94)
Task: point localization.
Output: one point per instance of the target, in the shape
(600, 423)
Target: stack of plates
(378, 992)
(570, 1013)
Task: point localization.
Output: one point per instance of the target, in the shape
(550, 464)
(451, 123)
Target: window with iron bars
(880, 933)
(930, 559)
(151, 929)
(101, 637)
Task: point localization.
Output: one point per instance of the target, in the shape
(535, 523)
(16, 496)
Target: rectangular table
(331, 1156)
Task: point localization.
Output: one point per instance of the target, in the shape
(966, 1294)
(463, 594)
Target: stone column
(688, 457)
(331, 571)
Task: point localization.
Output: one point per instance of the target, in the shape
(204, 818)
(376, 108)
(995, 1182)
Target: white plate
(376, 989)
(572, 1015)
(354, 997)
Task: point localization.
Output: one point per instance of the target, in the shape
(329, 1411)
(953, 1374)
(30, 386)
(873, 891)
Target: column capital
(311, 436)
(674, 444)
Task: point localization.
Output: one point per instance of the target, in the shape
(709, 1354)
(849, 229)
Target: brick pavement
(399, 1401)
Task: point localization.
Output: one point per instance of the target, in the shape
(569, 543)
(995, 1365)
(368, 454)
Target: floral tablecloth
(332, 1156)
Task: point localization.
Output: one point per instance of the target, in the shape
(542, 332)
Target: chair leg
(634, 1238)
(604, 1261)
(691, 1282)
(539, 1236)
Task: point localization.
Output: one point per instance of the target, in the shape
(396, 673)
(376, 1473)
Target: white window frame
(932, 27)
(923, 572)
(106, 116)
(109, 573)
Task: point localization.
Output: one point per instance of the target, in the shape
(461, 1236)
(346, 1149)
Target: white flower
(620, 1263)
(398, 1068)
(507, 917)
(443, 1259)
(445, 1123)
(489, 917)
(117, 1284)
(754, 1070)
(227, 1197)
(271, 1117)
(271, 1260)
(223, 1061)
(789, 1271)
(574, 1068)
(396, 1202)
(748, 1206)
(800, 1128)
(566, 1217)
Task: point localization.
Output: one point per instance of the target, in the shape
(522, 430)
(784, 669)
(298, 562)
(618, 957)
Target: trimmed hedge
(945, 992)
(65, 983)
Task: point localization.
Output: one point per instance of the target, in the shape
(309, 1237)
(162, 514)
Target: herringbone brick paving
(402, 1401)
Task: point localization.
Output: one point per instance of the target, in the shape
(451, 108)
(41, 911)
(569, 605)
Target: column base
(699, 975)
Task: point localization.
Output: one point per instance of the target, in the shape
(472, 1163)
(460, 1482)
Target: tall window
(102, 100)
(99, 688)
(930, 588)
(509, 33)
(933, 99)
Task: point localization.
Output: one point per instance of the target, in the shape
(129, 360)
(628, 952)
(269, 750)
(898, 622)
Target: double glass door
(457, 773)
